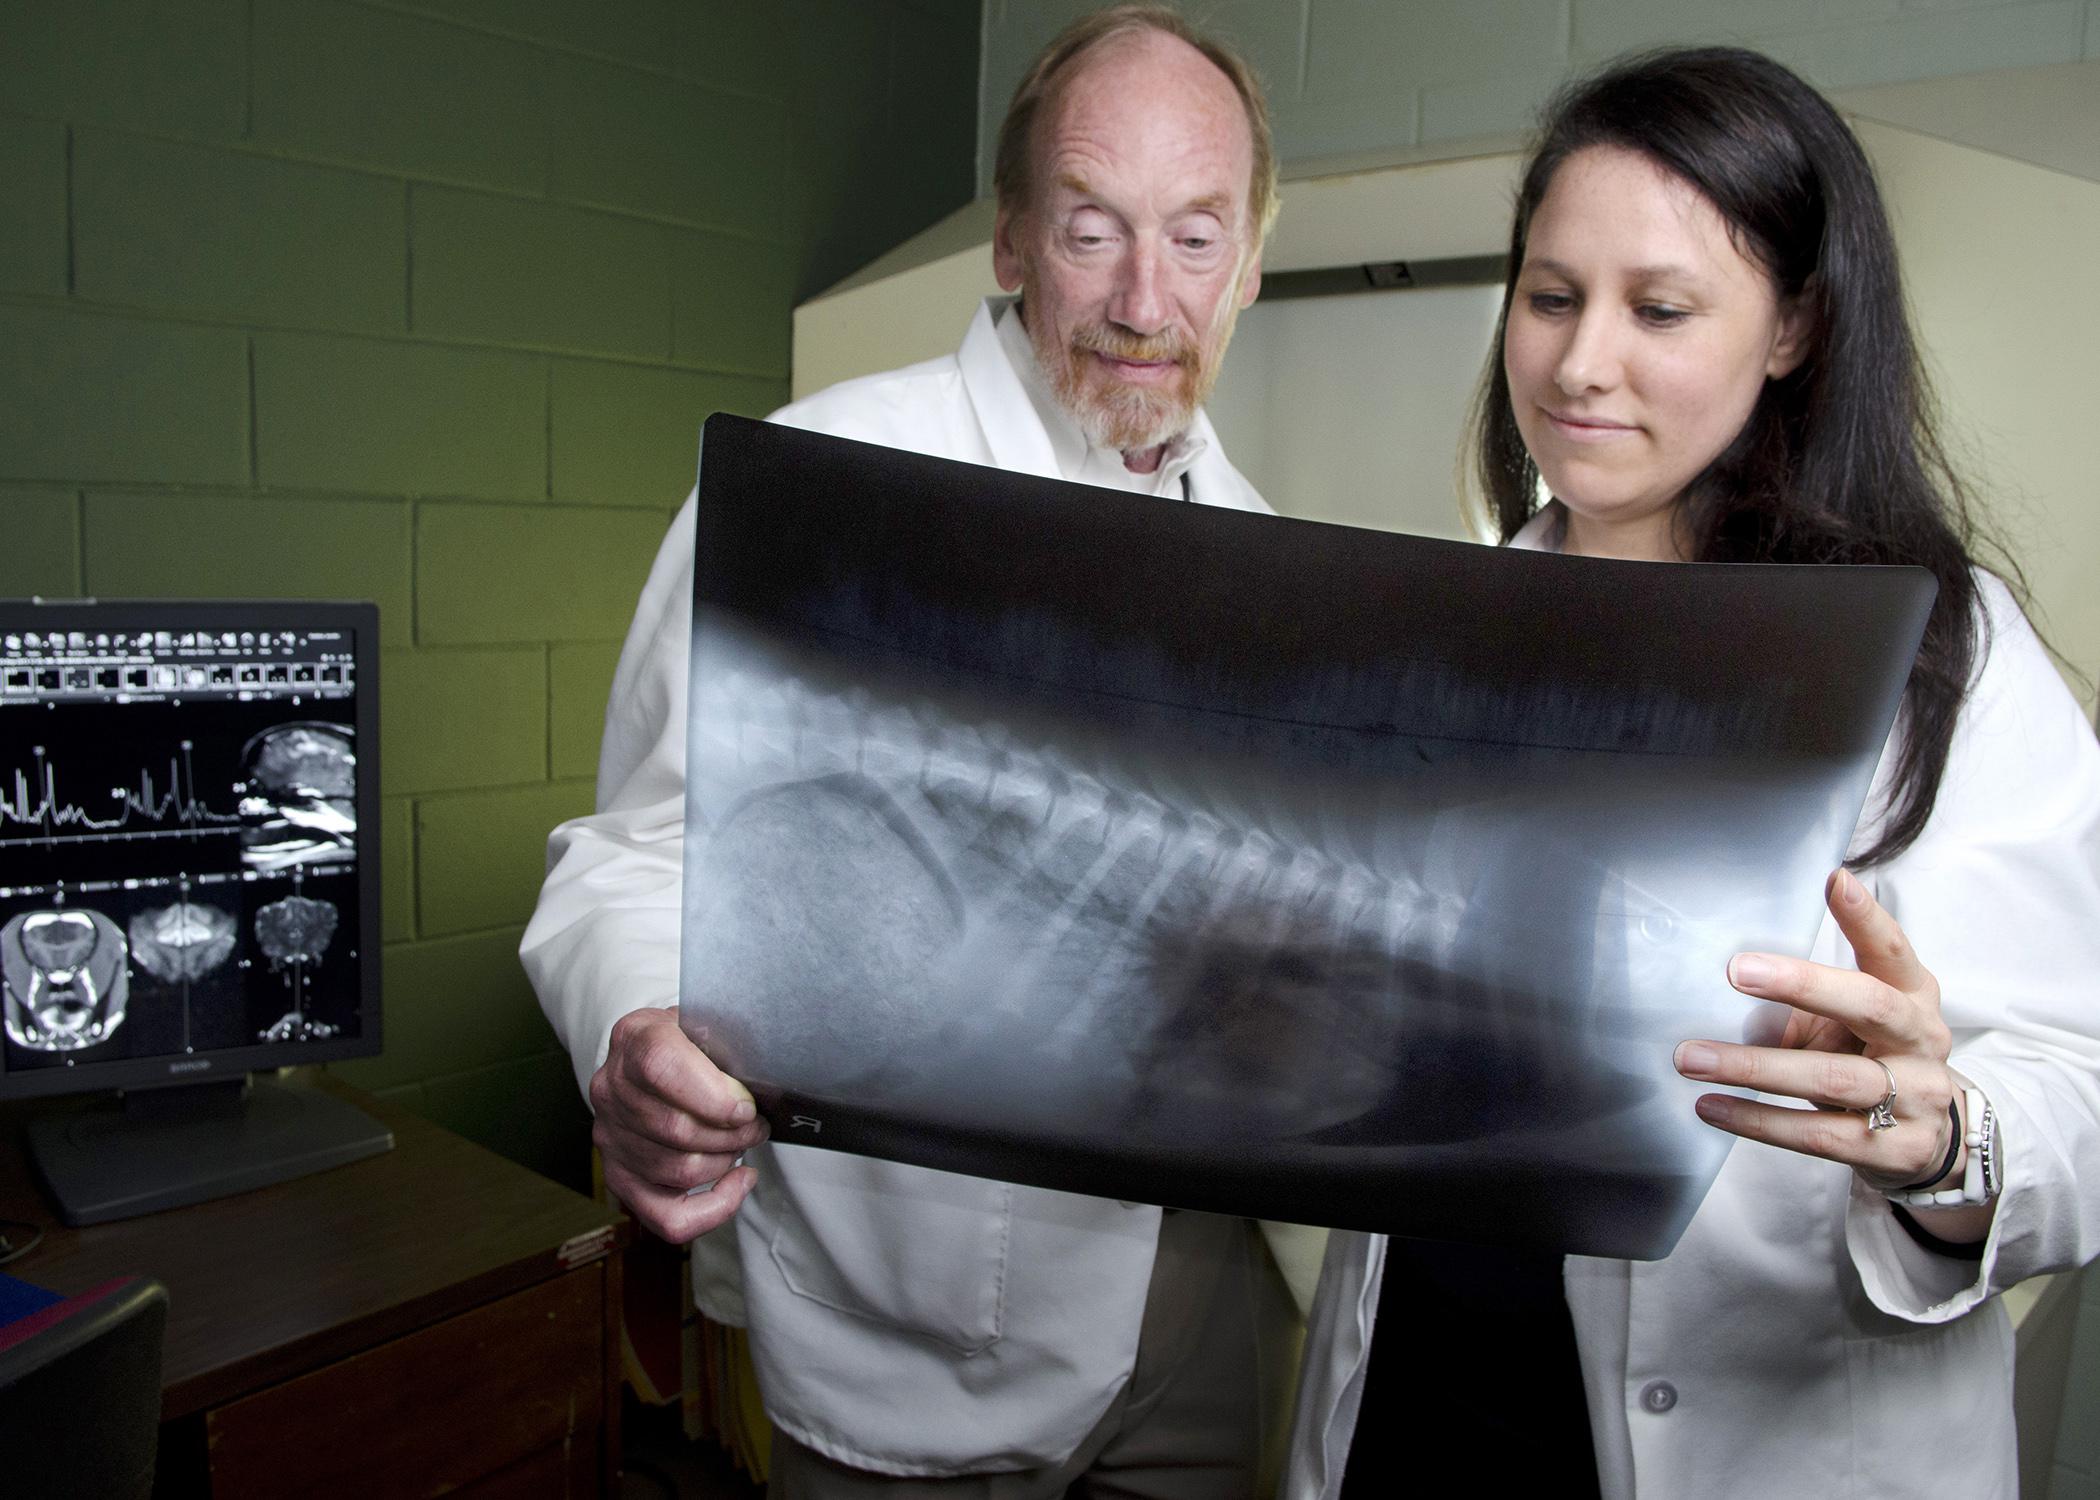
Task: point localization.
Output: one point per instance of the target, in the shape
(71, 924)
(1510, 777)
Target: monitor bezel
(361, 618)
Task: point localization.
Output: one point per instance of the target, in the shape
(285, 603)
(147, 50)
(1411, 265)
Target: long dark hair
(1839, 462)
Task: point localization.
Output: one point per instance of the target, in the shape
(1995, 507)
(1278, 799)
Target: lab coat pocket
(915, 1249)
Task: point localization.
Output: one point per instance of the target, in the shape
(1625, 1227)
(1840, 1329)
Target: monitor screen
(188, 882)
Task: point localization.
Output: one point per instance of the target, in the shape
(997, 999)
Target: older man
(917, 1331)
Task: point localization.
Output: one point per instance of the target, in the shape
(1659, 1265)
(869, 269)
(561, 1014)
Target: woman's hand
(1846, 1024)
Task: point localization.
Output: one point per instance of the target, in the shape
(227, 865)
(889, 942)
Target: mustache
(1169, 344)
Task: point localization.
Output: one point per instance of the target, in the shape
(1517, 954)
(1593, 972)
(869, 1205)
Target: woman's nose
(1591, 360)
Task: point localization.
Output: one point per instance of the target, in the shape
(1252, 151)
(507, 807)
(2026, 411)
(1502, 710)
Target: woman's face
(1637, 342)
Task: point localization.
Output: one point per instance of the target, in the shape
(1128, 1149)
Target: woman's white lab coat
(1798, 1341)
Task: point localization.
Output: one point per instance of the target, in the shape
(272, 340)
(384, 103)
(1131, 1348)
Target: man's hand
(669, 1121)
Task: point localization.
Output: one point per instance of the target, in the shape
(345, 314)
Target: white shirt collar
(1546, 531)
(1077, 459)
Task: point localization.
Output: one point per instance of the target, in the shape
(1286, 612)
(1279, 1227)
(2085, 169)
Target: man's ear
(1250, 283)
(1006, 253)
(1797, 329)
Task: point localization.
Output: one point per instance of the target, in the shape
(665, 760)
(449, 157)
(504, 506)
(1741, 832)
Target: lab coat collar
(1546, 531)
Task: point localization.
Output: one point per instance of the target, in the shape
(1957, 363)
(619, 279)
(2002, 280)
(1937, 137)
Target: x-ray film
(1226, 861)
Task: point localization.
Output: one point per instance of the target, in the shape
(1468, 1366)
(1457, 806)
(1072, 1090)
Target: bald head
(1076, 48)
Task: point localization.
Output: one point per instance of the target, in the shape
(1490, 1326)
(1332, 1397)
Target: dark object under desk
(432, 1319)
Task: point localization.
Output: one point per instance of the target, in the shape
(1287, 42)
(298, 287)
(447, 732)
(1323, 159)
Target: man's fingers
(643, 1116)
(670, 1122)
(650, 1058)
(674, 1214)
(671, 1166)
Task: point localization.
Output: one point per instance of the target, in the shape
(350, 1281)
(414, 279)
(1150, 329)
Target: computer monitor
(189, 888)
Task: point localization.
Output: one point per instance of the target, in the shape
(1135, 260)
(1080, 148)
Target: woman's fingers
(1843, 1080)
(1891, 1002)
(1839, 1137)
(1846, 1026)
(1847, 1086)
(1878, 942)
(1811, 1032)
(1883, 1017)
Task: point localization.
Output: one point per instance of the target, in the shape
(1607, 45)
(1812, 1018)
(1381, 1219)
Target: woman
(1703, 355)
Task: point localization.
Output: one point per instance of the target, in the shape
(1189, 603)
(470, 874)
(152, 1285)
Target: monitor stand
(167, 1147)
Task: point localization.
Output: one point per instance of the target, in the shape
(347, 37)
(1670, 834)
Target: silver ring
(1883, 1115)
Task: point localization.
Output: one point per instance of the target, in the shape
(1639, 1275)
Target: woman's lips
(1587, 429)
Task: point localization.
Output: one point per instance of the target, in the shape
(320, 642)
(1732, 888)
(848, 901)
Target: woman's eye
(1660, 314)
(1550, 304)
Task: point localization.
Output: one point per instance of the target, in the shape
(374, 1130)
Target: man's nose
(1140, 302)
(1591, 359)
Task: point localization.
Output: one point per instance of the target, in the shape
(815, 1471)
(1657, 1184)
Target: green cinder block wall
(423, 302)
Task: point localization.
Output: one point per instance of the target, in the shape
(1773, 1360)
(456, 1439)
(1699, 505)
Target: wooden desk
(432, 1319)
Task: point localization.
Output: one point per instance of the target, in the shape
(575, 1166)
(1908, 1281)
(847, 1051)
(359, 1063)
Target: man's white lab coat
(902, 1320)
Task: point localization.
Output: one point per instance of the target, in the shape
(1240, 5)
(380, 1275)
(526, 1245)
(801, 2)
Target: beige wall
(1996, 251)
(1998, 256)
(914, 303)
(1349, 76)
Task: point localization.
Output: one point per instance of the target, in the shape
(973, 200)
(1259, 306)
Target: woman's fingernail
(1697, 1060)
(1849, 890)
(1714, 1109)
(1747, 971)
(742, 1111)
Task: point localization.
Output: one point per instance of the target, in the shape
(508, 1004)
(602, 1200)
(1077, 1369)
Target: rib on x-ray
(1226, 861)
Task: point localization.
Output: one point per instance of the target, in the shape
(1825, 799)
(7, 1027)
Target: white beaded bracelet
(1979, 1177)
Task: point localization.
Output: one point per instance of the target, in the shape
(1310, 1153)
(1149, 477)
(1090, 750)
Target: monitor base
(170, 1147)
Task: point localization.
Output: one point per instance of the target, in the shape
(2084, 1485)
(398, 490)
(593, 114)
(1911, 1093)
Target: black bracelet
(1930, 1241)
(1953, 1149)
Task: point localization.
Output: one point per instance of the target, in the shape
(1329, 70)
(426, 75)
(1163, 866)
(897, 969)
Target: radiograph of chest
(1166, 853)
(1027, 918)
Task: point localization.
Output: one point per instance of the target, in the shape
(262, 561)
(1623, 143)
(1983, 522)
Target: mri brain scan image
(182, 942)
(300, 807)
(294, 933)
(64, 977)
